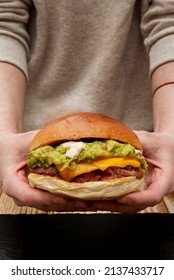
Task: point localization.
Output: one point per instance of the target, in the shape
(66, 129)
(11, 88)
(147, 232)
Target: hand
(159, 153)
(13, 171)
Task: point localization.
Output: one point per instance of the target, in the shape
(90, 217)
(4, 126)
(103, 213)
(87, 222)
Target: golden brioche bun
(101, 190)
(84, 125)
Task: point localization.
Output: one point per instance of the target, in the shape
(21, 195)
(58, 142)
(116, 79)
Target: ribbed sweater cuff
(161, 52)
(11, 51)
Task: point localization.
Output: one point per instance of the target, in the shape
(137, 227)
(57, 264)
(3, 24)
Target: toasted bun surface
(101, 190)
(84, 125)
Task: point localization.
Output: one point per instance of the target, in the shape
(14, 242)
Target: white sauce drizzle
(138, 152)
(73, 148)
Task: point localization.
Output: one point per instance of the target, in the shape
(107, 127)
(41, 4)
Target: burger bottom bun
(100, 190)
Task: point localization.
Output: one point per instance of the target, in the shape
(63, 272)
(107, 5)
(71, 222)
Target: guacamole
(90, 151)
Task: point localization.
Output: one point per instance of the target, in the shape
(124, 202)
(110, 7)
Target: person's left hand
(13, 173)
(159, 152)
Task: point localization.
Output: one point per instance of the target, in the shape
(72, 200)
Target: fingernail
(80, 204)
(124, 201)
(58, 199)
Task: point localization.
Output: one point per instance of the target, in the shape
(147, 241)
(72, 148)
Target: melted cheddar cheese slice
(68, 174)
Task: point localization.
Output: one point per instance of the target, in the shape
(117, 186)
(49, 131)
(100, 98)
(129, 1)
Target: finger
(24, 195)
(149, 197)
(46, 201)
(62, 204)
(20, 191)
(115, 206)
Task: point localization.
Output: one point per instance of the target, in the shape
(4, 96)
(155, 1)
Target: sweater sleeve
(157, 26)
(14, 38)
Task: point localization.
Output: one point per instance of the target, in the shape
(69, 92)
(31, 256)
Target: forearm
(12, 91)
(163, 99)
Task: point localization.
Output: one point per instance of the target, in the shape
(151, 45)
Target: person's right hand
(13, 152)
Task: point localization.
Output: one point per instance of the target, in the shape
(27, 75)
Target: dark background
(91, 236)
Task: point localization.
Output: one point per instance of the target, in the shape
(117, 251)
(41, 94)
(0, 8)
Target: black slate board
(92, 236)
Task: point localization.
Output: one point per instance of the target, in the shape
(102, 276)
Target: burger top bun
(83, 125)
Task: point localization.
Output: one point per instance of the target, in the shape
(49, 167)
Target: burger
(87, 156)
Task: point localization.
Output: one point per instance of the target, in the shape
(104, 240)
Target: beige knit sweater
(87, 55)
